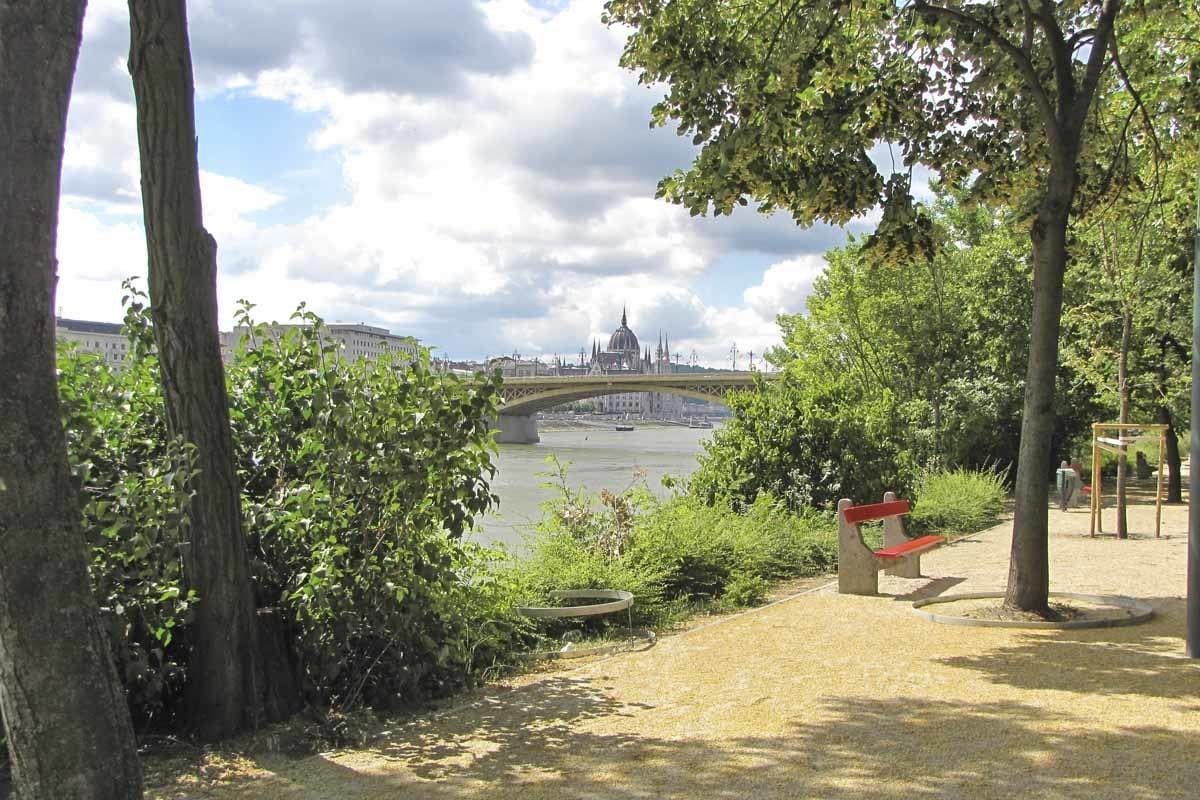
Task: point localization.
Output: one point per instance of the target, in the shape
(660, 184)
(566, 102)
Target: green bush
(806, 445)
(676, 555)
(358, 480)
(745, 591)
(134, 495)
(777, 544)
(958, 501)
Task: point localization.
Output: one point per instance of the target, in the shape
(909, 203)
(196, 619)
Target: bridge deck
(532, 394)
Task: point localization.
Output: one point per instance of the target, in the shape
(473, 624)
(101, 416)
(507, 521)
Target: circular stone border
(638, 640)
(1141, 612)
(621, 600)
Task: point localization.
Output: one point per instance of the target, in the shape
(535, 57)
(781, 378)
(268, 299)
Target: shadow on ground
(934, 588)
(527, 743)
(1135, 660)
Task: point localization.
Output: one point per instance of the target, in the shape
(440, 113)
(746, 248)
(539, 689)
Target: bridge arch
(542, 401)
(524, 397)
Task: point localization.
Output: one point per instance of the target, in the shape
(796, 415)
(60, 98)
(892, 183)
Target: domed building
(623, 356)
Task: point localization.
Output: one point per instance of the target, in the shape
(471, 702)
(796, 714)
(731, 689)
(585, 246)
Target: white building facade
(625, 356)
(355, 340)
(102, 338)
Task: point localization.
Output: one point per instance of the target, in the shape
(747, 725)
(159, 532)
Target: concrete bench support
(859, 565)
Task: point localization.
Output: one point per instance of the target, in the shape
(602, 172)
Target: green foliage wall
(134, 496)
(894, 366)
(675, 555)
(808, 445)
(358, 481)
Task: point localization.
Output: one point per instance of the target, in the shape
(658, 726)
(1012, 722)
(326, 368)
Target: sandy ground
(821, 696)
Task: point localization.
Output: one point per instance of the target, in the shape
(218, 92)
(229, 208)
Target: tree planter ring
(1139, 611)
(618, 601)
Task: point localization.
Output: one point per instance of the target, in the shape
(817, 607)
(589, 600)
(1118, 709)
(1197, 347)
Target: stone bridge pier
(517, 429)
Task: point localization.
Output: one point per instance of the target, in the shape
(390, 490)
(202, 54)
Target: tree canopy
(795, 104)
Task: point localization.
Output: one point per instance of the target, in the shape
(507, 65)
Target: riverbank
(598, 458)
(602, 423)
(822, 696)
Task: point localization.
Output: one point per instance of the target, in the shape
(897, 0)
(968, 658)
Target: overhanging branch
(1021, 59)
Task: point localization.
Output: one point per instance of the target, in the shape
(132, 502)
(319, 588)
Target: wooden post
(1158, 488)
(1095, 478)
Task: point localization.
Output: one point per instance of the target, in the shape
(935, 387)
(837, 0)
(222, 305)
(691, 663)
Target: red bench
(859, 565)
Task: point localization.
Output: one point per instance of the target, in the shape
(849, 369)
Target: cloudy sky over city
(480, 175)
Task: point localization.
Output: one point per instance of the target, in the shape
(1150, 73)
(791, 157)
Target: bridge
(524, 397)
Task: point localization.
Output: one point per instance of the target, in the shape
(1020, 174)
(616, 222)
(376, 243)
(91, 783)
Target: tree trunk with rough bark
(1174, 462)
(223, 688)
(1029, 562)
(1123, 417)
(69, 734)
(1028, 574)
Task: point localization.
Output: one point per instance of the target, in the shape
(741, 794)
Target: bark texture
(1163, 417)
(68, 727)
(1172, 457)
(223, 690)
(1029, 563)
(1029, 573)
(1123, 394)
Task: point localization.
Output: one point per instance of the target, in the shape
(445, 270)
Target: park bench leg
(907, 567)
(893, 534)
(857, 570)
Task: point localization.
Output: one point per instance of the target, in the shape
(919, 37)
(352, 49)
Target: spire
(624, 323)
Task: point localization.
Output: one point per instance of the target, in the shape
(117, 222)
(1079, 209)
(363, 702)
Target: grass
(678, 557)
(958, 501)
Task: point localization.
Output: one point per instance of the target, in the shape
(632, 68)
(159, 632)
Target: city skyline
(479, 175)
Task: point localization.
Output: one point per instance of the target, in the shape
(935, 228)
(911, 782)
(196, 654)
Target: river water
(599, 458)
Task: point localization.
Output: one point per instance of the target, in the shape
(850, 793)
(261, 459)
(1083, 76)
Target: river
(600, 458)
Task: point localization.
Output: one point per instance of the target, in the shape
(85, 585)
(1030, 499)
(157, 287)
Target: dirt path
(823, 696)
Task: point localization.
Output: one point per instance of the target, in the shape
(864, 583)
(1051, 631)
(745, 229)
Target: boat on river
(624, 426)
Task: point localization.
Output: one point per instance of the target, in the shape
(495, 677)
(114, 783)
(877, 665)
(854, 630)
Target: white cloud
(506, 203)
(785, 286)
(228, 202)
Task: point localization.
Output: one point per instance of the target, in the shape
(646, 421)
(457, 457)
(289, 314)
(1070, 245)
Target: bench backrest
(874, 511)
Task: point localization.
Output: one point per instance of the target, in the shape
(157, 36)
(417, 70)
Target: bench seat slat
(874, 511)
(910, 547)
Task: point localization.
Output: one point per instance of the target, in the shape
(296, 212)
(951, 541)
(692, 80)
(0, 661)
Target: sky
(479, 175)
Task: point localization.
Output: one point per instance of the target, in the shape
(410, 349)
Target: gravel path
(822, 696)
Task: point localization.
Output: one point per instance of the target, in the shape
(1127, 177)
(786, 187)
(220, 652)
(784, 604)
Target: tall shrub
(358, 479)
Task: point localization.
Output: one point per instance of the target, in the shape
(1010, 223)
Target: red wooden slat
(875, 511)
(898, 550)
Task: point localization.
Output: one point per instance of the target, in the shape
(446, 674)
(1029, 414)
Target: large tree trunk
(1173, 461)
(1028, 573)
(223, 693)
(1123, 417)
(68, 727)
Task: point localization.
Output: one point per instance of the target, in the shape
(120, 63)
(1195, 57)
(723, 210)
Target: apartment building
(356, 340)
(103, 338)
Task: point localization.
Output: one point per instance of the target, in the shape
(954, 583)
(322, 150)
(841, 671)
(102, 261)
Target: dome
(623, 339)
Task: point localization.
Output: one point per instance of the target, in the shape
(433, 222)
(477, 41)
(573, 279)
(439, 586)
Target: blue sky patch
(266, 143)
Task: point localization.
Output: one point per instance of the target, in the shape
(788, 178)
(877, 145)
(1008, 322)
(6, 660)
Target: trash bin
(1067, 481)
